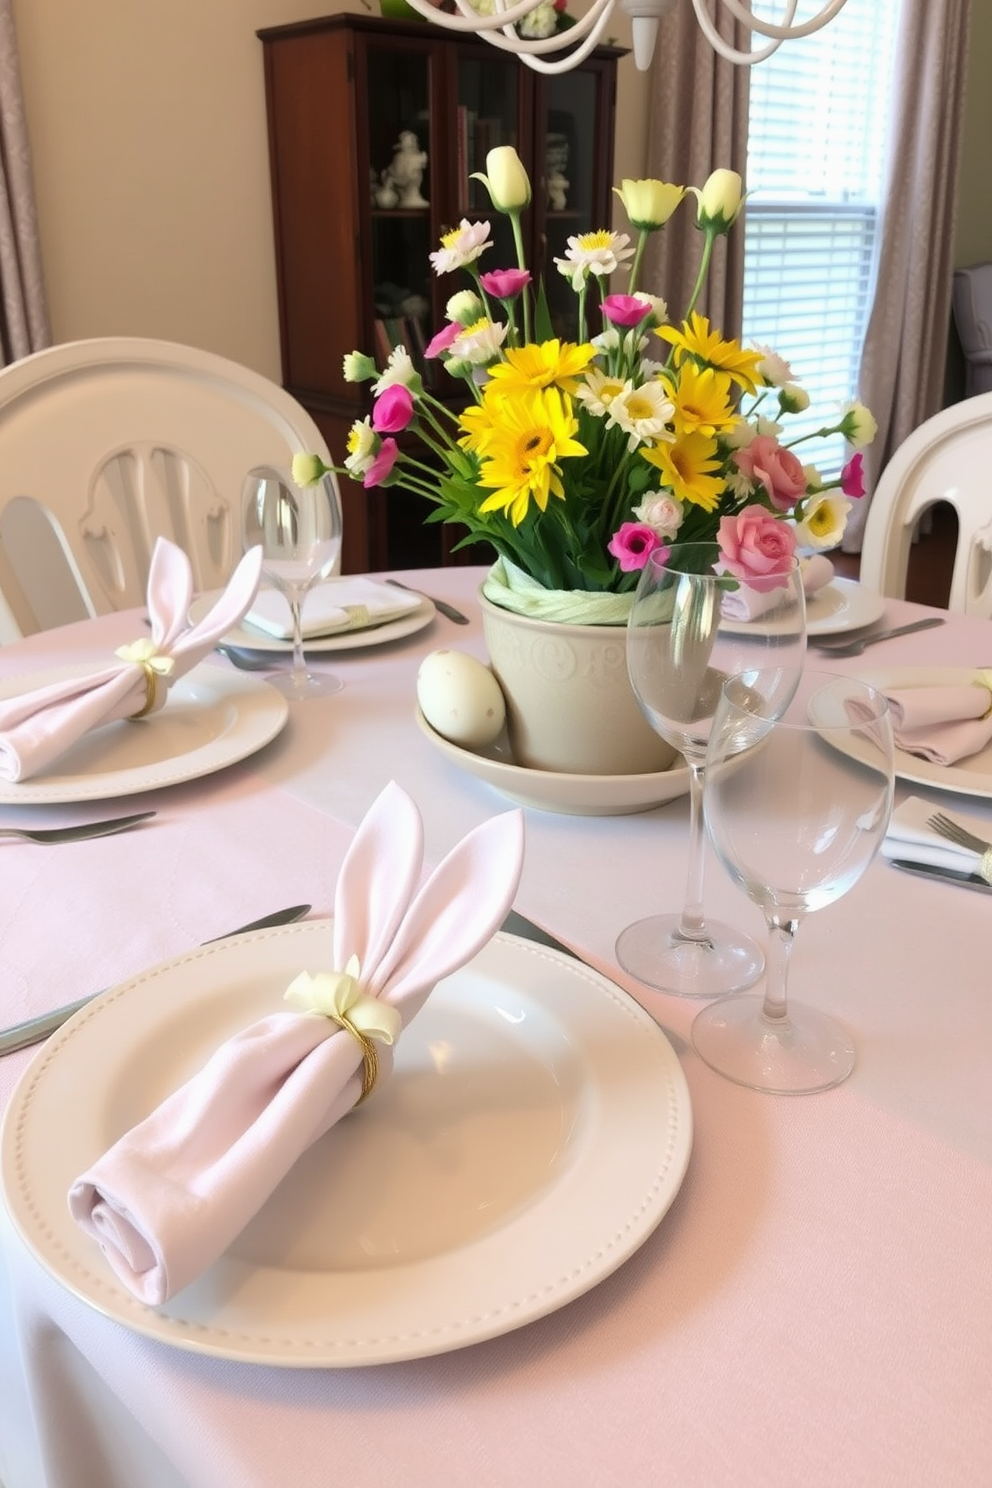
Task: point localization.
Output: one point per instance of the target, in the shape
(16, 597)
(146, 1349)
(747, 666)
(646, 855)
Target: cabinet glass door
(400, 187)
(568, 172)
(487, 116)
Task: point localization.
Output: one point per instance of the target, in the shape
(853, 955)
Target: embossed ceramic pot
(569, 703)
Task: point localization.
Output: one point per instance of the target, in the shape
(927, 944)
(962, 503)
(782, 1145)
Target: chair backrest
(948, 458)
(109, 443)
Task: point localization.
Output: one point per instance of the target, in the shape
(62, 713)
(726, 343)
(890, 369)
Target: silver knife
(33, 1030)
(944, 875)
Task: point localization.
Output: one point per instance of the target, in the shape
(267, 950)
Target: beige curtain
(697, 122)
(902, 366)
(23, 313)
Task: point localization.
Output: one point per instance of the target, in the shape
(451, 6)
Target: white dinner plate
(969, 777)
(534, 1131)
(251, 639)
(572, 795)
(212, 719)
(840, 605)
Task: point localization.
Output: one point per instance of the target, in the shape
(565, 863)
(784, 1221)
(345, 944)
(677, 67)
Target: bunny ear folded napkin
(37, 727)
(943, 723)
(168, 1198)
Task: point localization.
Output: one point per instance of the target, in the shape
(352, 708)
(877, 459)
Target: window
(816, 156)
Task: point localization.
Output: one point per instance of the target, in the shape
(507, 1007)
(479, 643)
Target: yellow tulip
(506, 180)
(720, 201)
(650, 203)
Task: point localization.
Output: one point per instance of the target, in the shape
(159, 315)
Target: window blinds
(816, 159)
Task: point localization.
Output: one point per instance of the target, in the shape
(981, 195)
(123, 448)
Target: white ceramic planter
(569, 702)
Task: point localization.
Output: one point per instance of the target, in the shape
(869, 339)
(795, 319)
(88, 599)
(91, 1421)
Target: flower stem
(521, 264)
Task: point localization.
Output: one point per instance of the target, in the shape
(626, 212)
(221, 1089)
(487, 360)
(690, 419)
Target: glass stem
(300, 673)
(781, 938)
(692, 925)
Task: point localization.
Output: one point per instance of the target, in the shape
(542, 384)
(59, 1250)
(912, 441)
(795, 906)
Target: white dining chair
(106, 444)
(947, 459)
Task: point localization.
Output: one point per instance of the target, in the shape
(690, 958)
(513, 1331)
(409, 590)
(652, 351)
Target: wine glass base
(654, 951)
(797, 1055)
(313, 685)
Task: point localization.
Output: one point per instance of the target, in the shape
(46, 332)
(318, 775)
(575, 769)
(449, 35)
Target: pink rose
(756, 547)
(776, 468)
(443, 339)
(393, 409)
(852, 477)
(505, 284)
(382, 464)
(625, 310)
(632, 545)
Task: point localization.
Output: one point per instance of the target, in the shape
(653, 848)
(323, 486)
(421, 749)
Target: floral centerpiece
(576, 460)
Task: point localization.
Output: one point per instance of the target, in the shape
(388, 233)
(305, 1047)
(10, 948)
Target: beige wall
(147, 122)
(148, 135)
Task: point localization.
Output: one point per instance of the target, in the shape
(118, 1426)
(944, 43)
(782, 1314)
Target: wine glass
(299, 531)
(796, 809)
(681, 648)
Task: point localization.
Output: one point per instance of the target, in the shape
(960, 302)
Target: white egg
(460, 698)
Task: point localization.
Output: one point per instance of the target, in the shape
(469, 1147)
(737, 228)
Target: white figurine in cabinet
(402, 177)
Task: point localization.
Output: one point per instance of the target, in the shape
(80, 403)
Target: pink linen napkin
(168, 1198)
(943, 724)
(36, 727)
(745, 603)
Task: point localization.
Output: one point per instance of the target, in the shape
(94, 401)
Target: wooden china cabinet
(352, 247)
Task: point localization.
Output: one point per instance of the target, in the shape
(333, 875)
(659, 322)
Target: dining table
(813, 1306)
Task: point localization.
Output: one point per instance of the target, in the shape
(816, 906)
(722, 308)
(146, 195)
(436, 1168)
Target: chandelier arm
(470, 20)
(724, 49)
(563, 64)
(594, 22)
(785, 31)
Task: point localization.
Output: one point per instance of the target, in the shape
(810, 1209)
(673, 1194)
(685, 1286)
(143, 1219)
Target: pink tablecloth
(815, 1308)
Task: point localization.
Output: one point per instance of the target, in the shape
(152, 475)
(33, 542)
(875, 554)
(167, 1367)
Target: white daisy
(461, 246)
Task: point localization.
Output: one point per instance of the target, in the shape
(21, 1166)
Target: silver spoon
(250, 661)
(855, 648)
(77, 833)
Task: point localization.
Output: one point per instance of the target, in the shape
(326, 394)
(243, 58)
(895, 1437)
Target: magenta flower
(852, 477)
(756, 547)
(625, 310)
(778, 470)
(382, 464)
(443, 339)
(505, 284)
(632, 545)
(393, 409)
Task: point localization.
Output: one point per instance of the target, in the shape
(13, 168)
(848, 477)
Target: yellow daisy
(537, 366)
(685, 469)
(534, 431)
(696, 339)
(701, 396)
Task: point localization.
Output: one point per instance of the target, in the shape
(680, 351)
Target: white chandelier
(500, 28)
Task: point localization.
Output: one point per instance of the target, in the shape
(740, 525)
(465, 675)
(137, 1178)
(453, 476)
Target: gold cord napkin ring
(984, 679)
(155, 667)
(339, 996)
(370, 1057)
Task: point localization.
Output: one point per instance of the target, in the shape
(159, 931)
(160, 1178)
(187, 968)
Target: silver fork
(78, 833)
(855, 648)
(953, 832)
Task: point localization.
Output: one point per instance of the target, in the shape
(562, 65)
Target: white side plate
(839, 606)
(534, 1131)
(969, 777)
(350, 640)
(213, 718)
